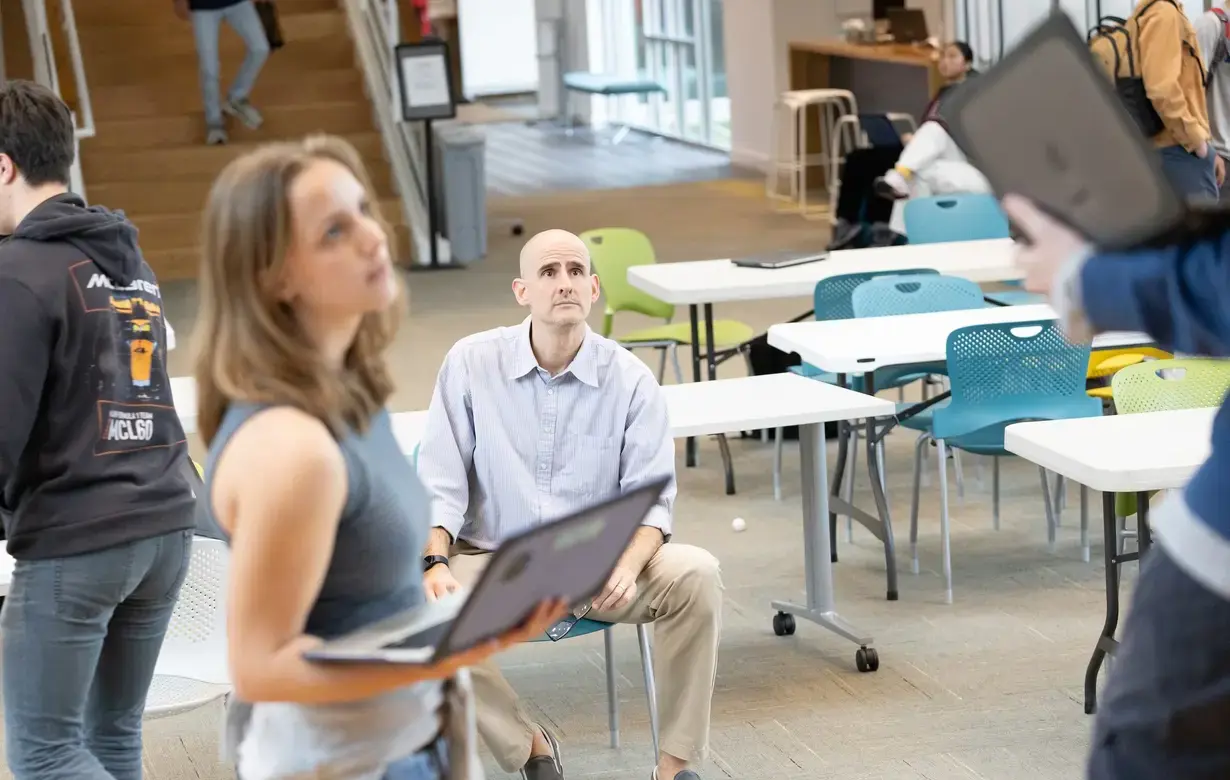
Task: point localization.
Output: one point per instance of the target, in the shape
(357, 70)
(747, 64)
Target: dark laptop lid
(1046, 123)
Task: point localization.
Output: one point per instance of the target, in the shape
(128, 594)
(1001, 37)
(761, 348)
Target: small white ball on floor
(738, 524)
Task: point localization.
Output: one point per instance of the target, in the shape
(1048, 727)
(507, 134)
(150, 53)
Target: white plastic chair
(192, 670)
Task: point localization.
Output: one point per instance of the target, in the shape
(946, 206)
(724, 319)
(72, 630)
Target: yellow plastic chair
(1107, 362)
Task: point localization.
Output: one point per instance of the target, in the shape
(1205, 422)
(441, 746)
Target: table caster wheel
(867, 659)
(783, 624)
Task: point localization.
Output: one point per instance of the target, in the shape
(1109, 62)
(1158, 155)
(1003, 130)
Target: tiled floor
(988, 687)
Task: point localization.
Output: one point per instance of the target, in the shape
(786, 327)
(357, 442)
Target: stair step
(280, 122)
(184, 262)
(163, 37)
(139, 199)
(117, 68)
(154, 166)
(171, 231)
(157, 98)
(92, 14)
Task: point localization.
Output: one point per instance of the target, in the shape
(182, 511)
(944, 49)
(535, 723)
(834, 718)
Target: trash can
(461, 190)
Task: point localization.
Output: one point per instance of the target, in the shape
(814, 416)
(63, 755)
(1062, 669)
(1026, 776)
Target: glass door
(678, 44)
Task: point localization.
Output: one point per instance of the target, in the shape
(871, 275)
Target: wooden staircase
(149, 157)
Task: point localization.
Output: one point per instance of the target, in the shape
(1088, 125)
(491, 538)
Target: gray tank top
(375, 572)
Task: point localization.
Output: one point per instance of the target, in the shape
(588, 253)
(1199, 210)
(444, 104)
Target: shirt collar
(584, 366)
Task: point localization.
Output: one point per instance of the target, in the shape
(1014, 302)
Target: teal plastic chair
(584, 627)
(1165, 386)
(832, 299)
(612, 251)
(967, 217)
(1001, 374)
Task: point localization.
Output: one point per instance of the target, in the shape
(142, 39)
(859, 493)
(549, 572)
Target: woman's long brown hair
(249, 346)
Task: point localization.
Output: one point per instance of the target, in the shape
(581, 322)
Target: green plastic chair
(612, 252)
(1166, 386)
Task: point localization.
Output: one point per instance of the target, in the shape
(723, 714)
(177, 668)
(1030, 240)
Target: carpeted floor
(988, 687)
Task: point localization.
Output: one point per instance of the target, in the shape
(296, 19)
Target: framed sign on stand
(425, 86)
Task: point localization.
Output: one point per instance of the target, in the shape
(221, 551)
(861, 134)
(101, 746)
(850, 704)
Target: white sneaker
(244, 112)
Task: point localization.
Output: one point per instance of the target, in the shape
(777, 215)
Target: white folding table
(863, 345)
(770, 401)
(702, 283)
(1129, 453)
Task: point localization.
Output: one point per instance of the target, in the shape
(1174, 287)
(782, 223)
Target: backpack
(1222, 53)
(1111, 41)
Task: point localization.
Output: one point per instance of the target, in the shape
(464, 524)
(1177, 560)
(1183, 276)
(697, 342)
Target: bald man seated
(531, 422)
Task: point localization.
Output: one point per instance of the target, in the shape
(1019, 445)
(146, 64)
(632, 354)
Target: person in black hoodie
(97, 509)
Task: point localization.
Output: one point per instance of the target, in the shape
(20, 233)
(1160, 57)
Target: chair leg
(727, 465)
(612, 696)
(945, 540)
(661, 365)
(651, 691)
(1084, 524)
(777, 465)
(1050, 511)
(960, 474)
(995, 492)
(851, 473)
(919, 451)
(1059, 499)
(674, 350)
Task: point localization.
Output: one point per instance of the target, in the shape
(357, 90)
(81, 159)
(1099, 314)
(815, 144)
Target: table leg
(821, 607)
(710, 349)
(690, 445)
(1106, 643)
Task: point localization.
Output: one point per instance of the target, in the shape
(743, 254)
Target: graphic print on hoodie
(91, 448)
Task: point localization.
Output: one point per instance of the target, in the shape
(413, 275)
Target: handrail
(376, 30)
(45, 72)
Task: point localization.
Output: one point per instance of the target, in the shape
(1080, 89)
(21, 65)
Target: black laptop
(1047, 124)
(907, 25)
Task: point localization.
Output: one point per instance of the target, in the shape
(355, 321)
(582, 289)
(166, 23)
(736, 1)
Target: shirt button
(550, 392)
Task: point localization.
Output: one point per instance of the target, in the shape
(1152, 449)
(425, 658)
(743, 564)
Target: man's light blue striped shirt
(507, 446)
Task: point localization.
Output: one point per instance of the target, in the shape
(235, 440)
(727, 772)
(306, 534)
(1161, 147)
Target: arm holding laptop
(1176, 294)
(280, 496)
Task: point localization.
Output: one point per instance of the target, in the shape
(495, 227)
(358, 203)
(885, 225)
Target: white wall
(498, 46)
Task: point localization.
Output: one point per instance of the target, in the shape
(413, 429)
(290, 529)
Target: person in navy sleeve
(1166, 706)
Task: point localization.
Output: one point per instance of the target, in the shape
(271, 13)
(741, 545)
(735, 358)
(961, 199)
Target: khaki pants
(680, 592)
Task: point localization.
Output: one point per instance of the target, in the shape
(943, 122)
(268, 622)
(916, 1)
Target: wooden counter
(886, 77)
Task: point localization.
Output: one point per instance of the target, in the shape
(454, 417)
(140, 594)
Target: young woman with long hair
(325, 517)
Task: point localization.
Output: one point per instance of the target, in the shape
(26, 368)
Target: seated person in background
(531, 422)
(931, 163)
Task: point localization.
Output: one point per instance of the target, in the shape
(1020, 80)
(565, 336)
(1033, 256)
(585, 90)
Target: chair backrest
(833, 297)
(612, 251)
(1170, 385)
(1011, 361)
(195, 643)
(967, 217)
(917, 294)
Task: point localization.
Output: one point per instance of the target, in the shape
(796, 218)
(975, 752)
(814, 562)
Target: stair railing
(45, 73)
(375, 27)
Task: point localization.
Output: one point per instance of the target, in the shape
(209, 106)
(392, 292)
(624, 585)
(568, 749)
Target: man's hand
(619, 591)
(182, 11)
(1202, 151)
(1219, 167)
(439, 581)
(1052, 244)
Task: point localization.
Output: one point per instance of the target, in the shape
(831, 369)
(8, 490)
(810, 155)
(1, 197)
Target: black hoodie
(91, 449)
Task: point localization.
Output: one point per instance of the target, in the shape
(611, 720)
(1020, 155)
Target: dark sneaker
(686, 774)
(244, 112)
(545, 767)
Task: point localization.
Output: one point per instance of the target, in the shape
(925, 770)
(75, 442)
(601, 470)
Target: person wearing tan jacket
(1169, 59)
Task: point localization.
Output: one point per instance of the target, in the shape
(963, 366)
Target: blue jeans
(1194, 178)
(430, 763)
(206, 26)
(80, 638)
